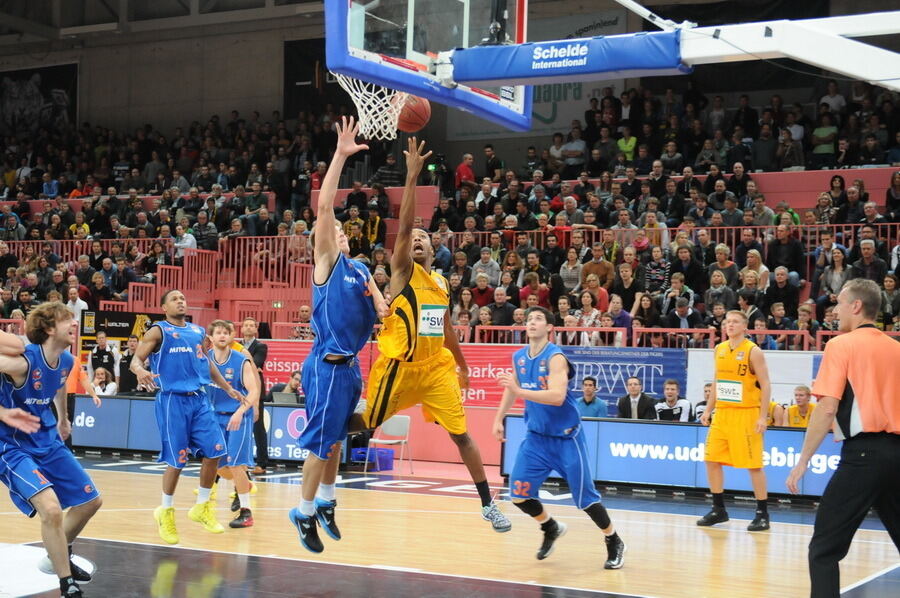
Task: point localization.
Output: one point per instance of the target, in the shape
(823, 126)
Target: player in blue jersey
(235, 418)
(42, 475)
(345, 300)
(554, 438)
(187, 424)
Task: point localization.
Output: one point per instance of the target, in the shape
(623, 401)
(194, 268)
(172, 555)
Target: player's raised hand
(498, 431)
(348, 131)
(415, 159)
(20, 420)
(508, 381)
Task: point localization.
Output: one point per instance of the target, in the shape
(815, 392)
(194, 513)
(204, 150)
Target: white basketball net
(378, 107)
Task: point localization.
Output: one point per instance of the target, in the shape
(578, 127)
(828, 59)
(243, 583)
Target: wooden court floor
(668, 555)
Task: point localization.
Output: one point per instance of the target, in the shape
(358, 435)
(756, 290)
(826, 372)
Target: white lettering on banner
(774, 457)
(567, 51)
(611, 377)
(82, 420)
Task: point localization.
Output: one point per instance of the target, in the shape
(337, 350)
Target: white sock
(307, 507)
(245, 500)
(326, 491)
(203, 495)
(168, 500)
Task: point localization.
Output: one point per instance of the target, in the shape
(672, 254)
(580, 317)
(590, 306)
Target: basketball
(415, 114)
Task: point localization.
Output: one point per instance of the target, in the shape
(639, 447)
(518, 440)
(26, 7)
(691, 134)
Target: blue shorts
(332, 392)
(239, 443)
(187, 425)
(539, 455)
(29, 471)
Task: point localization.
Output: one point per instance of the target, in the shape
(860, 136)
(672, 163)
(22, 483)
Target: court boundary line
(413, 491)
(376, 567)
(871, 577)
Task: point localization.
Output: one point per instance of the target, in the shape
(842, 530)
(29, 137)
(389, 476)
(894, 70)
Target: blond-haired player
(740, 398)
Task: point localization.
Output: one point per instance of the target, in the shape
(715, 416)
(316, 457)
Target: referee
(858, 382)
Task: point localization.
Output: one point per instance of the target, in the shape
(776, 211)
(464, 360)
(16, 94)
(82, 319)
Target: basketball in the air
(415, 114)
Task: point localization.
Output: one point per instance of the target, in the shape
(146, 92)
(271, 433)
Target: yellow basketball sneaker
(205, 514)
(165, 520)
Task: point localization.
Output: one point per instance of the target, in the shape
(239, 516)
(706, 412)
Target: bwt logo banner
(612, 367)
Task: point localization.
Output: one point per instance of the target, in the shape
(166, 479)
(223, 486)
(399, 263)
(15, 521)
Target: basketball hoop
(379, 107)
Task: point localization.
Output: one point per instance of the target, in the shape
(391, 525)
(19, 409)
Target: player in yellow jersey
(798, 414)
(775, 416)
(740, 397)
(420, 360)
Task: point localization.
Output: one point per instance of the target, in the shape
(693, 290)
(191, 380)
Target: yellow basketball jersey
(415, 329)
(735, 384)
(795, 420)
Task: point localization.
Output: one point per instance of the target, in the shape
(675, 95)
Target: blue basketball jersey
(532, 374)
(179, 360)
(35, 395)
(343, 311)
(232, 370)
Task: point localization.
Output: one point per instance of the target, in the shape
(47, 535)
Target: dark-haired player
(187, 423)
(420, 361)
(42, 475)
(554, 438)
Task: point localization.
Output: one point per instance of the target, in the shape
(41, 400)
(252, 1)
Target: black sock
(762, 506)
(548, 525)
(611, 539)
(218, 477)
(65, 582)
(718, 501)
(484, 492)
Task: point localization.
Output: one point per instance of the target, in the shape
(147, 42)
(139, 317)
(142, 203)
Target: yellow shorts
(397, 385)
(733, 440)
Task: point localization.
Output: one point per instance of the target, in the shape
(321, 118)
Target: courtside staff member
(858, 383)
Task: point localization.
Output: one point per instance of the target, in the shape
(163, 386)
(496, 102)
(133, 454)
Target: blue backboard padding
(586, 59)
(339, 60)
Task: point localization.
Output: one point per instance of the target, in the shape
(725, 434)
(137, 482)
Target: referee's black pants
(868, 476)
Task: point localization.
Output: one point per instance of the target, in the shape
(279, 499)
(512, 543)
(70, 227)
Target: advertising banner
(555, 105)
(612, 367)
(672, 455)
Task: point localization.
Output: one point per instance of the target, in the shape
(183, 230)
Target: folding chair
(398, 426)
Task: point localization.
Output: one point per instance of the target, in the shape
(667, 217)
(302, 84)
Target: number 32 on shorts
(521, 488)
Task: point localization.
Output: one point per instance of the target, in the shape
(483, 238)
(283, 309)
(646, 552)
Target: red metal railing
(823, 336)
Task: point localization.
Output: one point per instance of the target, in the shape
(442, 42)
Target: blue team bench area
(129, 423)
(671, 454)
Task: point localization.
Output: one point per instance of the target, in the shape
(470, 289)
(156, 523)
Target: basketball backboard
(395, 43)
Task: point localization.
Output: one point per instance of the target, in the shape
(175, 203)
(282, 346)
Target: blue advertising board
(130, 424)
(672, 455)
(612, 367)
(103, 427)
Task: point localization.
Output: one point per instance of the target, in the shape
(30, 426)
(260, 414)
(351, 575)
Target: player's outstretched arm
(381, 306)
(557, 381)
(820, 423)
(20, 420)
(250, 376)
(326, 249)
(401, 262)
(10, 344)
(151, 340)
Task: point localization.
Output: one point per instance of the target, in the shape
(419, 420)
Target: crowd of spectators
(644, 245)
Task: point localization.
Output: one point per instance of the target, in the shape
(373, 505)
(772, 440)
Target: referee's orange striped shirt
(862, 369)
